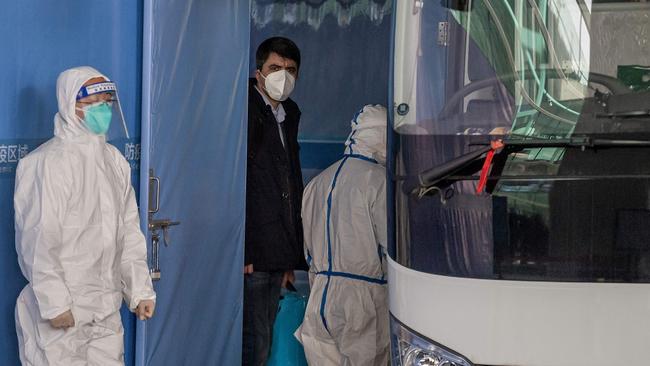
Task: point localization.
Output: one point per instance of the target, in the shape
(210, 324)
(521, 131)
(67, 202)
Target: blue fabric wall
(38, 40)
(195, 134)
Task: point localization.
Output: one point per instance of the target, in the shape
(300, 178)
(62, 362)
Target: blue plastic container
(286, 350)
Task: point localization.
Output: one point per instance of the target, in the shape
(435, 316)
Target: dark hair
(280, 45)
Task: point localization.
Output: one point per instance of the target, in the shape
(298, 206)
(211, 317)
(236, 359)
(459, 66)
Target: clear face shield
(98, 106)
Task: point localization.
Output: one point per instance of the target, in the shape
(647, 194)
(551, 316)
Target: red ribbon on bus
(485, 170)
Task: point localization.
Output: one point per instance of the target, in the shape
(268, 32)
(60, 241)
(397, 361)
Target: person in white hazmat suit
(344, 220)
(78, 234)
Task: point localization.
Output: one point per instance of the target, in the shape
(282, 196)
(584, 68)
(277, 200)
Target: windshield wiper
(582, 142)
(470, 163)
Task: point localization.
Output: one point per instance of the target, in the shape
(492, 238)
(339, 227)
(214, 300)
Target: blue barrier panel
(194, 139)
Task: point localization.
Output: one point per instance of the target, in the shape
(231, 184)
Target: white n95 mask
(279, 84)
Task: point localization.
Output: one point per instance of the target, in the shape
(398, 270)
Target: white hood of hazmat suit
(368, 136)
(78, 241)
(344, 219)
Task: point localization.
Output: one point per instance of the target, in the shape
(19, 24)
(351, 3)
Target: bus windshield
(567, 83)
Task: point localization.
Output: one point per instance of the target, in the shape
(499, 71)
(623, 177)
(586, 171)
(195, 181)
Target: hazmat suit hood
(66, 122)
(368, 136)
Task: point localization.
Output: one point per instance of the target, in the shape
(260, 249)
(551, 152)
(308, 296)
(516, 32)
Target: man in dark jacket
(274, 238)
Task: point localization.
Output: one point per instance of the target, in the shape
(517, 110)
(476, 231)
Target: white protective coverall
(78, 240)
(344, 219)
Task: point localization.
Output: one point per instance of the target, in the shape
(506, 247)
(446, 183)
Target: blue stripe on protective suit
(351, 137)
(353, 276)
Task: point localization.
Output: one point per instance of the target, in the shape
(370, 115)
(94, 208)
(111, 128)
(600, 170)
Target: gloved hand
(145, 309)
(63, 321)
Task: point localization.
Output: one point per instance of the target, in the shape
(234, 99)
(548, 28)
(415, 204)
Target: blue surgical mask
(98, 117)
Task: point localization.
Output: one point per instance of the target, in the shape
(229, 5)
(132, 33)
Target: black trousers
(261, 299)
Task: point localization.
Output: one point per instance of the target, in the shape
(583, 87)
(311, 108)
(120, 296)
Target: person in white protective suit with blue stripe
(344, 219)
(78, 234)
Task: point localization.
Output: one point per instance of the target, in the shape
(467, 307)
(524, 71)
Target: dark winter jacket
(274, 236)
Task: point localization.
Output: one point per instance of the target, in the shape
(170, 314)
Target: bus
(519, 183)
